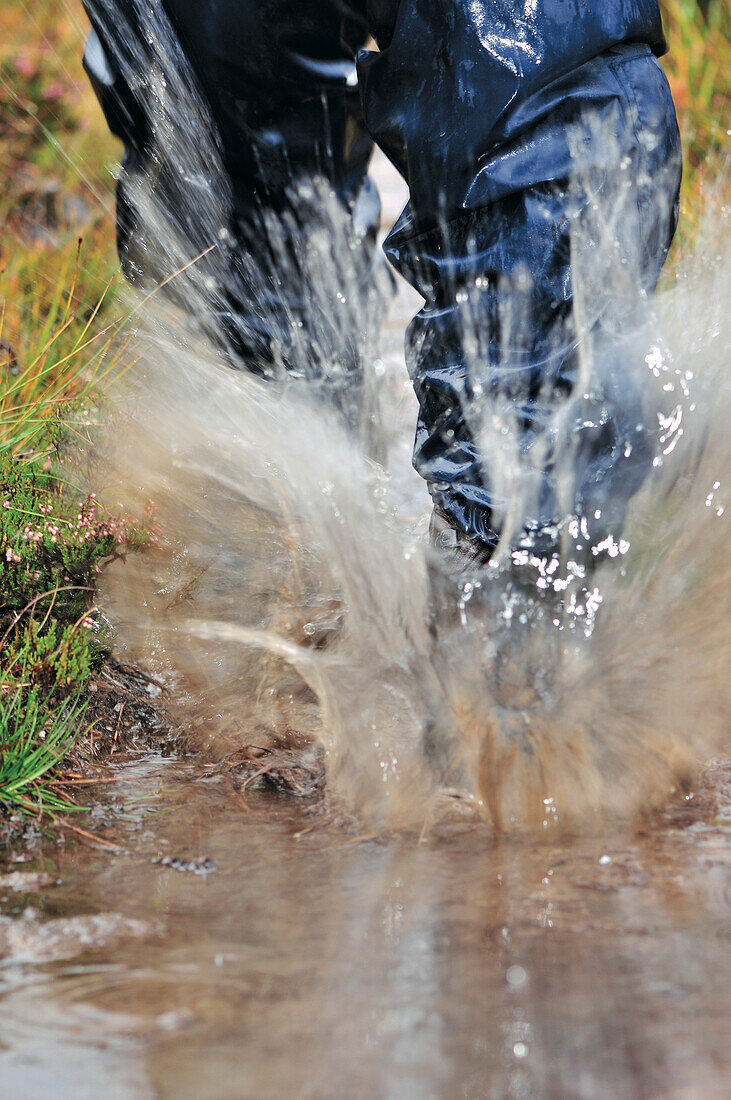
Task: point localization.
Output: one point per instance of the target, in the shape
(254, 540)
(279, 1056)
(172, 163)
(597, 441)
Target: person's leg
(475, 104)
(280, 110)
(281, 83)
(478, 106)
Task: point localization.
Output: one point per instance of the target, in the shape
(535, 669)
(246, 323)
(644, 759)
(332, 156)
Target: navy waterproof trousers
(478, 104)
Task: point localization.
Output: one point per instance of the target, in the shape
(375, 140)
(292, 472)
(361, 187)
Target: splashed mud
(289, 595)
(293, 595)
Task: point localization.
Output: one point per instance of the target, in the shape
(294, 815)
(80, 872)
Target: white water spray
(288, 598)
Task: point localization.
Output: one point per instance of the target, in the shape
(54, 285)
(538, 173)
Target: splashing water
(290, 594)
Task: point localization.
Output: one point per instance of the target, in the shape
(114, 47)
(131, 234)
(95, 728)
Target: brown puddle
(243, 945)
(311, 963)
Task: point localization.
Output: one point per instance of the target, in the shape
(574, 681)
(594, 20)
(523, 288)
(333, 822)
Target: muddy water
(245, 945)
(276, 953)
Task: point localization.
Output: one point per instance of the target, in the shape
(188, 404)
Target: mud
(125, 703)
(230, 931)
(242, 943)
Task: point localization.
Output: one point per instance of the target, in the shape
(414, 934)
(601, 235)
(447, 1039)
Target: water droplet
(516, 977)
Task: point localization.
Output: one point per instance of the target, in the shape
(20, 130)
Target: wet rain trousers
(475, 103)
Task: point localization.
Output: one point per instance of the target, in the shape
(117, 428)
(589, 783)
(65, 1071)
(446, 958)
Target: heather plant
(54, 542)
(52, 549)
(48, 545)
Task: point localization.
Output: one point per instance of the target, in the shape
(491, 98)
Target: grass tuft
(36, 734)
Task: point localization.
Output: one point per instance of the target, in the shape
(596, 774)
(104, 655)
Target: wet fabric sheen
(476, 105)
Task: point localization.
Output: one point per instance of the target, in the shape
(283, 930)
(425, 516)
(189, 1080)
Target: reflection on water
(313, 963)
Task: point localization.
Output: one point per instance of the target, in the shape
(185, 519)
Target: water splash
(289, 597)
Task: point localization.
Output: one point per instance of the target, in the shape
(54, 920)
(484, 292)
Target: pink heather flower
(54, 90)
(25, 66)
(6, 504)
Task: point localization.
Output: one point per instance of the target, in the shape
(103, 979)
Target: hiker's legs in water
(479, 107)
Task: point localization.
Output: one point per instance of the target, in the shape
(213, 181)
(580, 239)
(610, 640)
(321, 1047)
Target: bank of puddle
(246, 944)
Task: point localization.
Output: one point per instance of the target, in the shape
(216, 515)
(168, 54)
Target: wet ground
(231, 942)
(245, 945)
